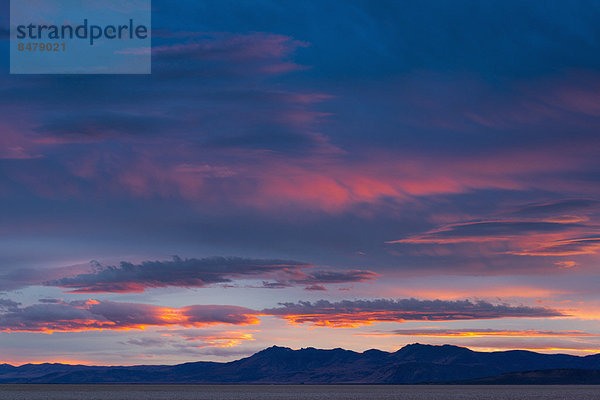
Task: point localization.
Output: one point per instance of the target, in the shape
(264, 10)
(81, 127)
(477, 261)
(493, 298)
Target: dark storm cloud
(187, 273)
(365, 312)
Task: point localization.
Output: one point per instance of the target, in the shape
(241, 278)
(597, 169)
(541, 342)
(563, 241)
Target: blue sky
(287, 158)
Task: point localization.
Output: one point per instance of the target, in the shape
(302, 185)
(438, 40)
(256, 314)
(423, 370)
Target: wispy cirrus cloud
(351, 313)
(454, 333)
(566, 206)
(194, 273)
(537, 344)
(194, 339)
(228, 46)
(197, 339)
(565, 247)
(561, 228)
(484, 231)
(95, 127)
(222, 54)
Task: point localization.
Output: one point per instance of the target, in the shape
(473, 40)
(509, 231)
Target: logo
(80, 37)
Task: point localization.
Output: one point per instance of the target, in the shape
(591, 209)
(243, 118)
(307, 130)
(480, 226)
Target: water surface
(294, 392)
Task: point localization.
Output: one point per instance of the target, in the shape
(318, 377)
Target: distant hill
(411, 364)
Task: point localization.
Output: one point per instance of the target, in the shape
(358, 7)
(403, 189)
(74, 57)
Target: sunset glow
(414, 172)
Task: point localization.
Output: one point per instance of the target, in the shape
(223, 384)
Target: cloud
(234, 315)
(195, 342)
(200, 339)
(219, 351)
(559, 236)
(315, 288)
(336, 277)
(14, 143)
(50, 301)
(351, 313)
(231, 47)
(85, 128)
(487, 231)
(77, 316)
(194, 339)
(146, 342)
(129, 277)
(316, 280)
(196, 273)
(16, 278)
(451, 333)
(566, 264)
(567, 247)
(8, 305)
(539, 344)
(557, 207)
(221, 54)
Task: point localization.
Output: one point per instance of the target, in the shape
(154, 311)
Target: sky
(333, 173)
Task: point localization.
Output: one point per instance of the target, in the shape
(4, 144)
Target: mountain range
(412, 364)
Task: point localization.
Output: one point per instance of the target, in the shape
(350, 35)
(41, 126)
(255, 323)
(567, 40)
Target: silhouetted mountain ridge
(411, 364)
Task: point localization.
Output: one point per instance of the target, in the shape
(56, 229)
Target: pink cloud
(77, 316)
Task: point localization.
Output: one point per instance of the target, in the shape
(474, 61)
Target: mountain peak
(432, 347)
(275, 349)
(414, 363)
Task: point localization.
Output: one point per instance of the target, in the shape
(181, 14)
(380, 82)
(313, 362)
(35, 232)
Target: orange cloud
(77, 316)
(215, 339)
(566, 247)
(354, 313)
(453, 333)
(195, 339)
